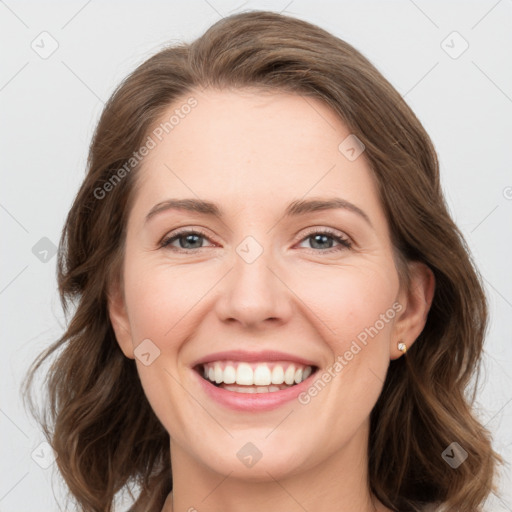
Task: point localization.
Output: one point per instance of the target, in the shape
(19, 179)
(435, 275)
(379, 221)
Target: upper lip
(242, 355)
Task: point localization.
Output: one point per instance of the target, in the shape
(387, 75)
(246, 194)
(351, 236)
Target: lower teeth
(254, 389)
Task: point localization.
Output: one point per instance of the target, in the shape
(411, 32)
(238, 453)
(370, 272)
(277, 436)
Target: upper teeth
(258, 374)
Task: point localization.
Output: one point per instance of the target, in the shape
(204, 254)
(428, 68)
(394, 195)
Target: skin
(253, 153)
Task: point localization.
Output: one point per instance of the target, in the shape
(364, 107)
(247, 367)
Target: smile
(253, 386)
(243, 377)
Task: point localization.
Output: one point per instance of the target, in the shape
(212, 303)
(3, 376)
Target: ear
(119, 319)
(415, 302)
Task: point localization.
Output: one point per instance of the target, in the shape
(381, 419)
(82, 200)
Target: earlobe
(119, 319)
(416, 301)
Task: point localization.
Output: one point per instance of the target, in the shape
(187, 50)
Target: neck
(338, 484)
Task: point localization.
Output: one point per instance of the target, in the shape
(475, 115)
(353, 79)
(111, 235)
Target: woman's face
(271, 277)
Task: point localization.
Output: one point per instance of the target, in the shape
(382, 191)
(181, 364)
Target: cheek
(357, 308)
(159, 298)
(158, 301)
(352, 300)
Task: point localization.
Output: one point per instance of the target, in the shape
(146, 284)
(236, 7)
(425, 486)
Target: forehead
(248, 148)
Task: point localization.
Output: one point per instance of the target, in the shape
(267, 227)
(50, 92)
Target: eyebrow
(295, 208)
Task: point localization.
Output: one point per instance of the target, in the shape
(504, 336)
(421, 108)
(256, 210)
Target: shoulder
(166, 508)
(168, 503)
(431, 507)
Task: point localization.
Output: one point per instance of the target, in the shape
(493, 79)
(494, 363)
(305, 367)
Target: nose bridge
(252, 293)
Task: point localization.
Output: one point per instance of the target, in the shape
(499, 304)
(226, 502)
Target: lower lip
(253, 402)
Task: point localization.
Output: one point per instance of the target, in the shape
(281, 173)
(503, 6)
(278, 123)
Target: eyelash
(344, 242)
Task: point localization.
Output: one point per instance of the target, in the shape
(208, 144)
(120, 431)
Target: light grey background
(49, 107)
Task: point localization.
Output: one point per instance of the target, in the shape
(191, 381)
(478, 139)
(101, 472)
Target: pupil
(321, 239)
(187, 240)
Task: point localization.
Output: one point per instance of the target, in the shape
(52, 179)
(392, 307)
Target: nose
(254, 294)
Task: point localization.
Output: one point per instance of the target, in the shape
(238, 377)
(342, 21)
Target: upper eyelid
(328, 230)
(185, 231)
(202, 231)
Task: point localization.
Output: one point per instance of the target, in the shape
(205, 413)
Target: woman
(274, 309)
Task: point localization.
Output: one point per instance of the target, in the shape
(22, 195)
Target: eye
(192, 240)
(323, 240)
(188, 240)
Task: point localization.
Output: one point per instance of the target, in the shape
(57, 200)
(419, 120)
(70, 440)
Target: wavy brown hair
(106, 444)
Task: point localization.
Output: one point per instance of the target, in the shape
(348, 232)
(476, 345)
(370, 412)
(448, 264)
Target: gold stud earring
(402, 347)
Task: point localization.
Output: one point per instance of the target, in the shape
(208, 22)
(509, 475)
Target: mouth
(254, 377)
